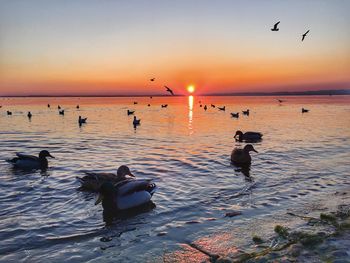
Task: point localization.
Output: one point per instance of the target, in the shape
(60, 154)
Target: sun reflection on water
(190, 112)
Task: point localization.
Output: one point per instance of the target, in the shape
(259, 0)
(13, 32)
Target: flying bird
(304, 35)
(275, 27)
(169, 90)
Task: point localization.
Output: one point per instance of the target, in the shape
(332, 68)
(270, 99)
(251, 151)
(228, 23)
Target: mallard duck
(304, 110)
(24, 161)
(235, 115)
(29, 115)
(9, 112)
(205, 107)
(222, 108)
(130, 112)
(248, 136)
(93, 181)
(124, 196)
(241, 157)
(61, 112)
(164, 105)
(246, 112)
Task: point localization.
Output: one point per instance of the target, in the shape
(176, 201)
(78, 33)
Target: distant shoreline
(279, 93)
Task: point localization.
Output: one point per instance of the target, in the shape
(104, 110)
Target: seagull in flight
(169, 90)
(275, 27)
(304, 35)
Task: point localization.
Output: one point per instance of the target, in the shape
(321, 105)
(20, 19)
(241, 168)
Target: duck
(304, 110)
(164, 105)
(124, 196)
(78, 107)
(205, 107)
(212, 105)
(235, 115)
(9, 112)
(222, 108)
(58, 107)
(92, 181)
(149, 105)
(246, 112)
(248, 136)
(135, 102)
(61, 112)
(241, 157)
(29, 115)
(81, 120)
(24, 161)
(136, 121)
(130, 112)
(48, 105)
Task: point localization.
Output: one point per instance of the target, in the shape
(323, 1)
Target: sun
(190, 88)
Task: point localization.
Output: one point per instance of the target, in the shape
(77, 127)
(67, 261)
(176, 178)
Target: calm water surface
(184, 149)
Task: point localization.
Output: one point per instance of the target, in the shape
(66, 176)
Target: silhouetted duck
(81, 120)
(135, 102)
(24, 161)
(29, 115)
(48, 105)
(164, 105)
(149, 105)
(201, 105)
(212, 105)
(78, 107)
(248, 136)
(9, 112)
(124, 196)
(222, 108)
(304, 110)
(235, 115)
(241, 157)
(61, 112)
(246, 112)
(59, 107)
(92, 181)
(136, 121)
(130, 112)
(205, 107)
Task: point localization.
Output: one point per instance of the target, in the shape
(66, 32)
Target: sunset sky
(85, 47)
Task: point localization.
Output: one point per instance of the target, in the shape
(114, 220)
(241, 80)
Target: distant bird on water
(222, 108)
(304, 35)
(205, 107)
(212, 105)
(81, 120)
(48, 105)
(61, 112)
(275, 28)
(304, 110)
(130, 112)
(164, 105)
(59, 107)
(135, 102)
(24, 161)
(241, 157)
(77, 107)
(136, 121)
(29, 115)
(9, 112)
(280, 101)
(248, 136)
(235, 115)
(149, 105)
(152, 79)
(246, 112)
(169, 90)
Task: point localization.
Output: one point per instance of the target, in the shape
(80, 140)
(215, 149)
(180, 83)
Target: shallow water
(184, 149)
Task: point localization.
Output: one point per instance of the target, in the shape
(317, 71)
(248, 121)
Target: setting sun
(190, 88)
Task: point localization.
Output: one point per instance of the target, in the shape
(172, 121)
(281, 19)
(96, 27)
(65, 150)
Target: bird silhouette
(280, 101)
(29, 115)
(77, 107)
(61, 112)
(275, 27)
(222, 108)
(304, 35)
(81, 120)
(212, 105)
(164, 105)
(169, 90)
(303, 110)
(152, 79)
(130, 112)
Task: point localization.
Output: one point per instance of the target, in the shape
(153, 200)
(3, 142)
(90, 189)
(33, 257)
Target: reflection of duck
(126, 195)
(241, 157)
(248, 136)
(92, 181)
(24, 161)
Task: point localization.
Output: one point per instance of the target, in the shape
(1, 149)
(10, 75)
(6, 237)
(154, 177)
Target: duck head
(249, 148)
(44, 154)
(239, 134)
(124, 171)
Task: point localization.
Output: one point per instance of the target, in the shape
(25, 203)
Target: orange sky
(47, 49)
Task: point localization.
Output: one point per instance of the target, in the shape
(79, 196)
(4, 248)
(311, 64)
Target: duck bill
(51, 156)
(255, 151)
(99, 199)
(130, 174)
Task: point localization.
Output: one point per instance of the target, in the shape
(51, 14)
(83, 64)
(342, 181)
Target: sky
(106, 47)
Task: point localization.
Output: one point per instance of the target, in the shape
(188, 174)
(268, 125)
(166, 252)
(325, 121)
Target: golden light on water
(191, 88)
(190, 112)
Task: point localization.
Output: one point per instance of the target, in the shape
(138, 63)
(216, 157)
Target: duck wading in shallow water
(132, 196)
(23, 161)
(92, 181)
(241, 157)
(248, 136)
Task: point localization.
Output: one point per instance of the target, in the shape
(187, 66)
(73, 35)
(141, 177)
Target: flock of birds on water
(122, 191)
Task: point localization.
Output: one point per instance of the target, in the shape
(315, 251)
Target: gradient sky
(114, 47)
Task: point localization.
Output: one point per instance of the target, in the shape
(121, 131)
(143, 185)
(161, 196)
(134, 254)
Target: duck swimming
(81, 120)
(130, 112)
(23, 161)
(93, 181)
(248, 136)
(124, 196)
(235, 115)
(136, 121)
(241, 157)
